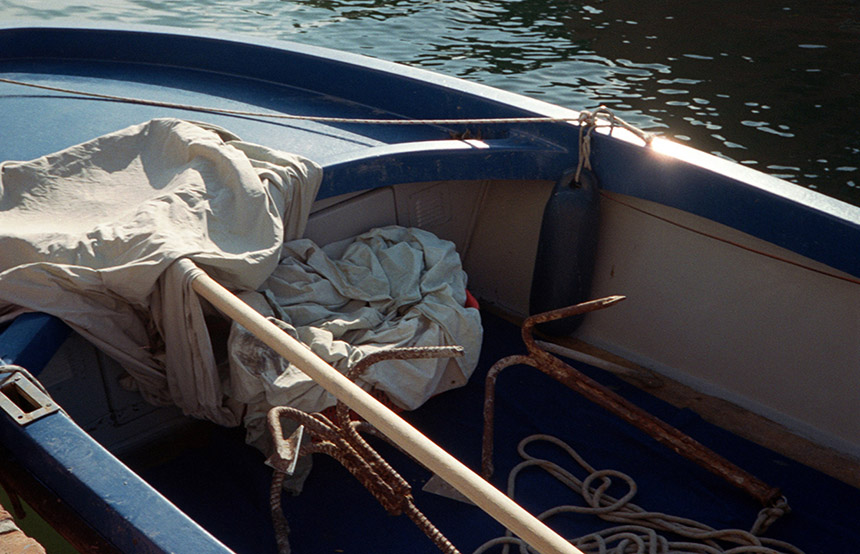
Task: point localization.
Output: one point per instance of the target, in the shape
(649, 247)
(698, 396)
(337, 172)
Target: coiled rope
(638, 531)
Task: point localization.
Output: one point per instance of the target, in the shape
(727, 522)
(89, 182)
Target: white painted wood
(501, 255)
(773, 337)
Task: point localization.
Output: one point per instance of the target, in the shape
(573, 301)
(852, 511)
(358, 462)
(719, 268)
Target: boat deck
(223, 484)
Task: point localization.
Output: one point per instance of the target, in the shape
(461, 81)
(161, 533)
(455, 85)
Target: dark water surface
(774, 84)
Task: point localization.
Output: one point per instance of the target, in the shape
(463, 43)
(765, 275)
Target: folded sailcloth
(89, 234)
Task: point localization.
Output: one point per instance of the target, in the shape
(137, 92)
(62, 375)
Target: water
(771, 84)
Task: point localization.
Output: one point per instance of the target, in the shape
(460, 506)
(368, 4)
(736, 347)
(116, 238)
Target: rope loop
(768, 515)
(637, 531)
(589, 121)
(598, 499)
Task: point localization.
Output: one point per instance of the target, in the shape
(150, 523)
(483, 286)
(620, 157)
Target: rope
(588, 122)
(314, 118)
(638, 531)
(614, 120)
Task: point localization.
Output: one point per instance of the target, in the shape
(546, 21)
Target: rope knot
(589, 121)
(769, 514)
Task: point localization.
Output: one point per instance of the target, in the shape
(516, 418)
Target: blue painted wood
(801, 220)
(300, 79)
(101, 489)
(112, 499)
(31, 340)
(443, 160)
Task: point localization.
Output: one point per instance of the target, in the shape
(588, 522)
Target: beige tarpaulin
(89, 234)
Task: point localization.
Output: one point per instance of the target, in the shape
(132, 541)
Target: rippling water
(771, 84)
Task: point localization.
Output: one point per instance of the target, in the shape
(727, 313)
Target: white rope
(588, 122)
(638, 531)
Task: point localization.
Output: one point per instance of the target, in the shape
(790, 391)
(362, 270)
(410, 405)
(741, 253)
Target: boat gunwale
(791, 216)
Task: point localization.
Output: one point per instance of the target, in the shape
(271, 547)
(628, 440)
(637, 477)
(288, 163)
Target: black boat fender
(566, 250)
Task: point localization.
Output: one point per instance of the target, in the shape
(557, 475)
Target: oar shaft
(491, 500)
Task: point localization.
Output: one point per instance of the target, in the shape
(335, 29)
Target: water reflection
(766, 84)
(774, 85)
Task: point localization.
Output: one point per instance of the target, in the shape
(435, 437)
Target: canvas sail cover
(90, 234)
(388, 287)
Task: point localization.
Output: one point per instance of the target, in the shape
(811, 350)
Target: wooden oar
(491, 500)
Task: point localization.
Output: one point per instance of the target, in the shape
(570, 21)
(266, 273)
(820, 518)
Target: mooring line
(576, 117)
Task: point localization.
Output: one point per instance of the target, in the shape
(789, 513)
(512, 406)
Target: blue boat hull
(143, 73)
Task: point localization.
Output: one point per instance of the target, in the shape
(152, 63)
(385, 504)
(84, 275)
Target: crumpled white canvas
(392, 286)
(89, 234)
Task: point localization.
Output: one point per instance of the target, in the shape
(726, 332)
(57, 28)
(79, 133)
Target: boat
(724, 383)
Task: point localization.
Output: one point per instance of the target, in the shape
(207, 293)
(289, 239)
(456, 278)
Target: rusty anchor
(609, 400)
(339, 438)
